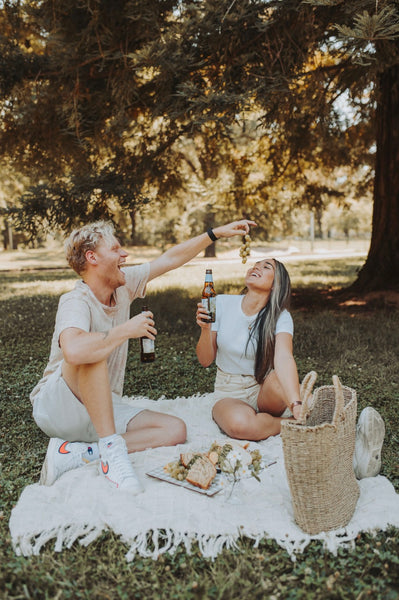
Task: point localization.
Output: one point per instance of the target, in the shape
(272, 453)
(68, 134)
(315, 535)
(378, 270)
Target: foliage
(90, 86)
(330, 337)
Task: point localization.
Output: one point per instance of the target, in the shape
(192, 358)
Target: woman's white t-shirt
(234, 355)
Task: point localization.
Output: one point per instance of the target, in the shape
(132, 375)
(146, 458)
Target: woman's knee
(235, 425)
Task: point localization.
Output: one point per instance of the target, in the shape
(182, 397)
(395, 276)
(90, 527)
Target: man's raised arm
(182, 253)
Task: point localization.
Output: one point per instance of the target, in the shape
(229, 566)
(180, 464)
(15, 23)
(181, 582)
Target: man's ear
(91, 257)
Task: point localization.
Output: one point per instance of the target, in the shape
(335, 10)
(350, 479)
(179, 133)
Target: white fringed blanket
(81, 505)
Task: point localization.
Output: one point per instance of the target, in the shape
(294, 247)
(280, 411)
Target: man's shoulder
(136, 279)
(80, 291)
(136, 271)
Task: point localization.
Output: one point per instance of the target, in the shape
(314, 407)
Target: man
(77, 403)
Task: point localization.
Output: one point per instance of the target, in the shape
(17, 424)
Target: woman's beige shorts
(242, 387)
(59, 413)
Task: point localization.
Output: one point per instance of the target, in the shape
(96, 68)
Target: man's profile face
(109, 257)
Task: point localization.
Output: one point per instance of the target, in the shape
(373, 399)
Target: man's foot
(61, 456)
(115, 465)
(370, 432)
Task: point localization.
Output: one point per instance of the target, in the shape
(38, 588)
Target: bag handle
(339, 399)
(306, 390)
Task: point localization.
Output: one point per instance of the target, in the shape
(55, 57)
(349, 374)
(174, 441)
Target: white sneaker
(370, 432)
(61, 456)
(115, 465)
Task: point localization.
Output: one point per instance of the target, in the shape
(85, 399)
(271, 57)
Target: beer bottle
(209, 295)
(147, 346)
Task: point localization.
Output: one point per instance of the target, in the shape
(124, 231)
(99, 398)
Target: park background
(168, 117)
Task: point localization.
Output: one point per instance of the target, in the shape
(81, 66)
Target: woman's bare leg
(239, 420)
(271, 398)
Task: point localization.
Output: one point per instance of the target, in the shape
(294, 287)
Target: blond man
(78, 402)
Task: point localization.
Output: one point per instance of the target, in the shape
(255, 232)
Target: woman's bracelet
(296, 403)
(211, 234)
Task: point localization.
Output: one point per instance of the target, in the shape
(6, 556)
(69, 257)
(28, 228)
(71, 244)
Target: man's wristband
(296, 403)
(211, 234)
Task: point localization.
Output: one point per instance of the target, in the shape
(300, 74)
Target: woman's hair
(264, 327)
(86, 238)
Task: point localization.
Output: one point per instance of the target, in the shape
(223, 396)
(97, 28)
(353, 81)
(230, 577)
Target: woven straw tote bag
(318, 455)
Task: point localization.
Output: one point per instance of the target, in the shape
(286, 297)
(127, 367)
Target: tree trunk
(381, 269)
(132, 214)
(210, 251)
(319, 226)
(10, 238)
(209, 221)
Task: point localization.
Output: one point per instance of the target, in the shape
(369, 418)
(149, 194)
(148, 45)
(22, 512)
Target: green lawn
(357, 341)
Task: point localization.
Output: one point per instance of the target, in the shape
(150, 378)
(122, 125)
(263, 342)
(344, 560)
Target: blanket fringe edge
(156, 542)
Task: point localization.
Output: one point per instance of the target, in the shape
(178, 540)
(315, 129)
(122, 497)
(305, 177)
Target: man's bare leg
(90, 384)
(150, 429)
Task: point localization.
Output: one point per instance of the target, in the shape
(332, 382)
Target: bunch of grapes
(245, 248)
(176, 470)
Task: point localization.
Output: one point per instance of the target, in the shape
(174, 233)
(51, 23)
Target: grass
(359, 342)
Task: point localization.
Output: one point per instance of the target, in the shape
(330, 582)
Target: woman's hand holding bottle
(203, 317)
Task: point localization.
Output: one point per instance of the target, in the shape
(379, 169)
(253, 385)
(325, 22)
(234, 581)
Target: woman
(251, 340)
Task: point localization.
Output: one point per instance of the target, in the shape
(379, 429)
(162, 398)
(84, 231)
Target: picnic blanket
(81, 504)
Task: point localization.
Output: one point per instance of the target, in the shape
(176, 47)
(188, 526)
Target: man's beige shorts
(59, 413)
(242, 387)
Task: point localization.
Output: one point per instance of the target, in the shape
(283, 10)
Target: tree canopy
(98, 97)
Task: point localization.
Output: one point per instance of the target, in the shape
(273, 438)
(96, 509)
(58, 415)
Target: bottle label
(210, 305)
(148, 345)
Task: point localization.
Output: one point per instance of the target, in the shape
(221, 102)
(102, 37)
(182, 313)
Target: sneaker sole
(135, 489)
(369, 440)
(47, 477)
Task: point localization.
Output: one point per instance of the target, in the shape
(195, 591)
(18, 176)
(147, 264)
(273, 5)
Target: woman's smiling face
(261, 275)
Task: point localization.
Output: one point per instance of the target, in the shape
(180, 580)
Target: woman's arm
(286, 371)
(207, 345)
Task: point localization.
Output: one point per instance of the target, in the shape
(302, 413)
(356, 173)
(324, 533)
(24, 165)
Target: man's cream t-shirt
(80, 308)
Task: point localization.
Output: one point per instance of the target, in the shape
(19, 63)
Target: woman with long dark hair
(251, 340)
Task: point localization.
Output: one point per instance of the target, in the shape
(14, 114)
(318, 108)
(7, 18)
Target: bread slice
(201, 473)
(213, 457)
(187, 457)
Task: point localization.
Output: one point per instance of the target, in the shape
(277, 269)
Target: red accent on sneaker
(63, 448)
(104, 467)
